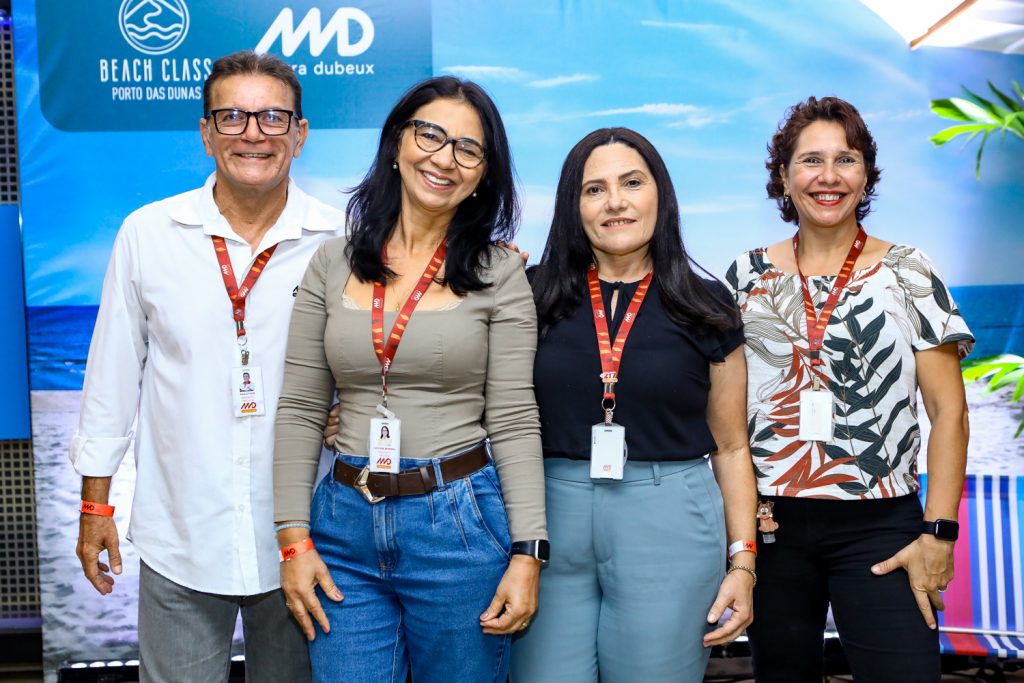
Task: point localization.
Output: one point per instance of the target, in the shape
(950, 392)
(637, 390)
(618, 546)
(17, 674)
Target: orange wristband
(742, 546)
(290, 551)
(97, 509)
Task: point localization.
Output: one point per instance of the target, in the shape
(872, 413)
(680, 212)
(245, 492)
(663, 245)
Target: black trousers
(823, 554)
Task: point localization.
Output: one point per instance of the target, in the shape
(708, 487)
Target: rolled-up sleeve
(510, 415)
(306, 393)
(113, 371)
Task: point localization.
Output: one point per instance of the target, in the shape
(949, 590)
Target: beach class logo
(350, 29)
(153, 27)
(143, 63)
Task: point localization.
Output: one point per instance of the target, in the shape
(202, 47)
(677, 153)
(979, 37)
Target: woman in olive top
(427, 329)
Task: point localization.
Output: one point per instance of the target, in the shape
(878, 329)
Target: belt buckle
(361, 481)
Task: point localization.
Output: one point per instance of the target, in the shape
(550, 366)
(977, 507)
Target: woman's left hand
(736, 593)
(929, 565)
(515, 601)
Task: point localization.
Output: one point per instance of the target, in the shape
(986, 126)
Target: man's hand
(333, 425)
(96, 534)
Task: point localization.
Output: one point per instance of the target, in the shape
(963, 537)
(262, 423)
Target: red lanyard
(816, 324)
(239, 294)
(611, 354)
(386, 352)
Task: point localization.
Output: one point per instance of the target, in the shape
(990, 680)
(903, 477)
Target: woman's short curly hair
(783, 143)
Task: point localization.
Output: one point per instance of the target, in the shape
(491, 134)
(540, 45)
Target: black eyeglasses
(235, 121)
(431, 137)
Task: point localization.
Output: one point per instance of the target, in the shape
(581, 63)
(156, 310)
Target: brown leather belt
(376, 486)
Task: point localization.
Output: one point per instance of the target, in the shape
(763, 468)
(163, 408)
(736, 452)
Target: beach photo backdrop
(108, 112)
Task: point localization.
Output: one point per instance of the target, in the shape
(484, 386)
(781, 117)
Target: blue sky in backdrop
(706, 81)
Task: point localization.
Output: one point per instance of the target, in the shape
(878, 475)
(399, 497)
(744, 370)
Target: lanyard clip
(609, 379)
(608, 405)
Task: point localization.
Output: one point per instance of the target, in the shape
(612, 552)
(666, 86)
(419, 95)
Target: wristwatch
(538, 550)
(942, 529)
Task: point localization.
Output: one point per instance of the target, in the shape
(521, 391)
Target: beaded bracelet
(291, 525)
(734, 567)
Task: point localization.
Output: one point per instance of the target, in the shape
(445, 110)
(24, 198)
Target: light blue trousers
(635, 566)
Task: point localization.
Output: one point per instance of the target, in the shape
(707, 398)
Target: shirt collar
(198, 209)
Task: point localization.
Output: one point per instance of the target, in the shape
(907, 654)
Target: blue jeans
(635, 566)
(417, 572)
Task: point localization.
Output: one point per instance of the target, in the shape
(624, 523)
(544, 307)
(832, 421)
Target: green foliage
(979, 115)
(1002, 371)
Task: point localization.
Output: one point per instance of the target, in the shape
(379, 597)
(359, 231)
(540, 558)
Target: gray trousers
(185, 635)
(635, 566)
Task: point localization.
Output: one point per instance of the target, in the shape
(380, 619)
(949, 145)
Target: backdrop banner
(110, 98)
(144, 62)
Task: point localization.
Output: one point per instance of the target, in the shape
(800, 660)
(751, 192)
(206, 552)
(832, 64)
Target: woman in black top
(637, 577)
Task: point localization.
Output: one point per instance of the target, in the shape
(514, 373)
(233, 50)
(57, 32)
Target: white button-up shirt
(164, 347)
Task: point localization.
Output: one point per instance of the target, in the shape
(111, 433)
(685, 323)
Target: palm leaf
(1002, 371)
(1005, 99)
(980, 115)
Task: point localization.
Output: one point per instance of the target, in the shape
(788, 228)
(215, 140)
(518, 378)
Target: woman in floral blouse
(842, 330)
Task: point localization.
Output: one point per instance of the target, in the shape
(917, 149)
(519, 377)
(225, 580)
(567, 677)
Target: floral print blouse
(886, 313)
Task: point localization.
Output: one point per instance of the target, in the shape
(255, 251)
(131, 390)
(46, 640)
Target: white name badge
(385, 444)
(607, 451)
(816, 415)
(247, 391)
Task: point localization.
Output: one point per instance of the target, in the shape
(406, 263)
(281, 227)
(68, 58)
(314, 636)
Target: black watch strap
(942, 529)
(538, 550)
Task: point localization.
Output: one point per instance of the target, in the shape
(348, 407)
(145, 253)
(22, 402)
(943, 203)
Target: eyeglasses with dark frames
(235, 121)
(430, 137)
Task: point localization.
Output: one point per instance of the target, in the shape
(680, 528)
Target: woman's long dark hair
(560, 282)
(493, 214)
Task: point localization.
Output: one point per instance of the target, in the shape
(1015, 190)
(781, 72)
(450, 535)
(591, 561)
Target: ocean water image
(72, 608)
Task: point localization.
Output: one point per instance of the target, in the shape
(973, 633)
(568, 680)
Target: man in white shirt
(197, 299)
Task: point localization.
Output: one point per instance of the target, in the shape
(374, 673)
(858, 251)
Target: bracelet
(291, 525)
(742, 546)
(290, 551)
(97, 509)
(734, 567)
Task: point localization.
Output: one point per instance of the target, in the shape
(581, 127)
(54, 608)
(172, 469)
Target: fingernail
(485, 616)
(712, 617)
(876, 569)
(338, 596)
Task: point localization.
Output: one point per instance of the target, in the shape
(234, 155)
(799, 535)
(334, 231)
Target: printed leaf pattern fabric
(886, 313)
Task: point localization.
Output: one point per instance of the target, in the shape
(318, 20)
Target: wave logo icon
(153, 27)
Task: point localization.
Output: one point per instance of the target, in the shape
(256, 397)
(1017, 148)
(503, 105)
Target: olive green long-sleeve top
(461, 374)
